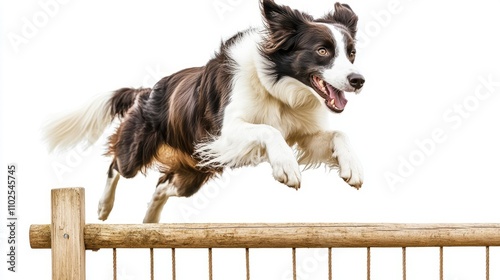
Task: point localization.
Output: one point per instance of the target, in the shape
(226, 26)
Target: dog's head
(317, 52)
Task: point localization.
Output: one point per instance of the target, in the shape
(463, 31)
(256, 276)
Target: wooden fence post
(67, 242)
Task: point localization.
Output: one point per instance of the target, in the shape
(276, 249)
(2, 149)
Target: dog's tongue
(337, 96)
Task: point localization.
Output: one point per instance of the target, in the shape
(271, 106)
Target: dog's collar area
(334, 98)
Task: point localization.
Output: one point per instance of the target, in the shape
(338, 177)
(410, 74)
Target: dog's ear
(282, 23)
(343, 15)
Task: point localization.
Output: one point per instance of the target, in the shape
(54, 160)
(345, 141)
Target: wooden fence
(68, 237)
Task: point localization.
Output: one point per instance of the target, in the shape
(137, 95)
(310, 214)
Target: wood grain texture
(66, 232)
(324, 235)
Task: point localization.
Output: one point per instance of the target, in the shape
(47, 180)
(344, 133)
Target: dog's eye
(322, 51)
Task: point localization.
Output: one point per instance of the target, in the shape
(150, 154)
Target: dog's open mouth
(334, 97)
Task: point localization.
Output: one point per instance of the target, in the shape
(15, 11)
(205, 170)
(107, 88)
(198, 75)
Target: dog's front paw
(350, 170)
(287, 172)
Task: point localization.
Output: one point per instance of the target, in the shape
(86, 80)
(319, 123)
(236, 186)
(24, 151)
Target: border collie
(264, 95)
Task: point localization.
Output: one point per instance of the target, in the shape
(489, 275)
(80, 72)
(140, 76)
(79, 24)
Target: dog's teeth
(332, 102)
(323, 86)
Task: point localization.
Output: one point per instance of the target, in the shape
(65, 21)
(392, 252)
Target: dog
(265, 96)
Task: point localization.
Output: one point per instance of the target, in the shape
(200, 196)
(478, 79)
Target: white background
(423, 60)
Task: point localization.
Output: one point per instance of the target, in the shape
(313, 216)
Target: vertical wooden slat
(441, 263)
(404, 263)
(330, 272)
(247, 262)
(210, 269)
(173, 264)
(487, 262)
(294, 264)
(68, 222)
(368, 263)
(152, 263)
(114, 263)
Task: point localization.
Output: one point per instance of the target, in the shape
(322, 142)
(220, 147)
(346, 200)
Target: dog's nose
(356, 80)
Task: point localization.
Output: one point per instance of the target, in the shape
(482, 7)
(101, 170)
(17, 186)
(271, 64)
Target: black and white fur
(266, 93)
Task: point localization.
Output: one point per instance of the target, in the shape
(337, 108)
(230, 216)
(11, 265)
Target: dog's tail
(89, 122)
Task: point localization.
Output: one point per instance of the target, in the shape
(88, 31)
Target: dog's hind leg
(164, 190)
(108, 196)
(184, 182)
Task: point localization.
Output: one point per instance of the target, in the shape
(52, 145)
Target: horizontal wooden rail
(98, 236)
